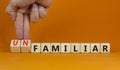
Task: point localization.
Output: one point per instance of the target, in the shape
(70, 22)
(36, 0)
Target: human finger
(26, 27)
(34, 15)
(42, 11)
(19, 25)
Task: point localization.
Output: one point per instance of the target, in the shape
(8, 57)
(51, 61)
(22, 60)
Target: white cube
(55, 48)
(95, 47)
(65, 47)
(15, 46)
(35, 47)
(105, 47)
(85, 47)
(25, 45)
(75, 47)
(45, 48)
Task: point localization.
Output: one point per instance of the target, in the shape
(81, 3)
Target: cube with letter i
(65, 47)
(25, 45)
(85, 47)
(15, 46)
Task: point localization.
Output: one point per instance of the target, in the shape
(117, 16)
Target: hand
(21, 10)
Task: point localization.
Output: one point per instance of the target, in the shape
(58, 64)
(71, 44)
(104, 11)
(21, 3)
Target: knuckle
(8, 12)
(45, 3)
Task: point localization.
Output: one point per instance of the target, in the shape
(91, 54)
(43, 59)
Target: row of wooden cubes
(27, 46)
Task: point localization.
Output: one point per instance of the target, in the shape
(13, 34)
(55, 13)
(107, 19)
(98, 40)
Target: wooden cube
(65, 47)
(15, 46)
(95, 47)
(105, 47)
(55, 48)
(45, 48)
(25, 45)
(35, 48)
(75, 47)
(85, 47)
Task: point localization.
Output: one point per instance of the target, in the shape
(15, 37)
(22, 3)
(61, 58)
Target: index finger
(26, 27)
(19, 25)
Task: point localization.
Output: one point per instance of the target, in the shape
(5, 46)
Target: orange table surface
(33, 61)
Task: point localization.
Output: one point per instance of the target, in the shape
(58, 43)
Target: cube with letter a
(25, 45)
(45, 48)
(95, 47)
(15, 46)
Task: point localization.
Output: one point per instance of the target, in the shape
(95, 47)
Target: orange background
(67, 21)
(70, 21)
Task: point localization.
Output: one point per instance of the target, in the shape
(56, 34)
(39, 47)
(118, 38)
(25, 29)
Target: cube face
(95, 47)
(55, 47)
(105, 47)
(45, 48)
(25, 45)
(35, 48)
(85, 47)
(65, 47)
(15, 43)
(15, 46)
(75, 47)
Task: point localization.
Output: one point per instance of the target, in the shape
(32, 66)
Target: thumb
(11, 10)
